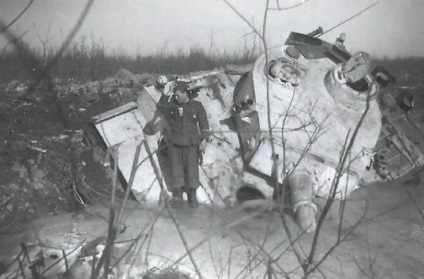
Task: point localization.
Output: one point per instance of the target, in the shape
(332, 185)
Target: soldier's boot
(177, 197)
(192, 198)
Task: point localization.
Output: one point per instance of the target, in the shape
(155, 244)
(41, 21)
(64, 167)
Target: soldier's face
(181, 96)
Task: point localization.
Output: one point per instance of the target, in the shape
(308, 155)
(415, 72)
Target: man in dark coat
(186, 135)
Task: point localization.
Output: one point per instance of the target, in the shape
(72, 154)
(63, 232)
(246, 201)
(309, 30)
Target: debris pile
(42, 155)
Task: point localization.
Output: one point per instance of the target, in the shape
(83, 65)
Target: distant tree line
(85, 62)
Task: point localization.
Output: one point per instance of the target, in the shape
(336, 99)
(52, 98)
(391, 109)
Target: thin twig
(349, 19)
(168, 207)
(244, 19)
(261, 248)
(347, 147)
(420, 211)
(13, 41)
(112, 229)
(229, 262)
(134, 169)
(289, 7)
(46, 70)
(201, 242)
(336, 244)
(4, 28)
(134, 243)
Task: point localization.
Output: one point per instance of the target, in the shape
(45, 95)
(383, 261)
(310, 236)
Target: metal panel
(391, 160)
(122, 128)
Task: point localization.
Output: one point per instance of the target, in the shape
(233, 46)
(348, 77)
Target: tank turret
(284, 121)
(309, 96)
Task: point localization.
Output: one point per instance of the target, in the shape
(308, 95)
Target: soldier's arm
(165, 98)
(203, 122)
(163, 103)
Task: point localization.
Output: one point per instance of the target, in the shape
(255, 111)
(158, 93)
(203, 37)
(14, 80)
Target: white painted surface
(310, 101)
(125, 133)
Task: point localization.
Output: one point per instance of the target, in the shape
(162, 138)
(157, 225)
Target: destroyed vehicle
(286, 120)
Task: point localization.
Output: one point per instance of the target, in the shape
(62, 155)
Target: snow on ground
(238, 243)
(234, 243)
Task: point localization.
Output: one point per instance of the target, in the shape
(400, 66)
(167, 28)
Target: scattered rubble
(42, 143)
(43, 158)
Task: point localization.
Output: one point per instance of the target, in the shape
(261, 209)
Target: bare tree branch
(279, 8)
(350, 18)
(169, 209)
(339, 171)
(256, 31)
(46, 70)
(420, 211)
(5, 27)
(12, 42)
(334, 246)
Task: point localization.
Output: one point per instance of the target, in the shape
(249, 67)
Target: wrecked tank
(286, 121)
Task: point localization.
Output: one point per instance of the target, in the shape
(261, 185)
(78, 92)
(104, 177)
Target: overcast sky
(391, 28)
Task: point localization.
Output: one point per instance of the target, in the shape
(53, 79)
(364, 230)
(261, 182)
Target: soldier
(184, 116)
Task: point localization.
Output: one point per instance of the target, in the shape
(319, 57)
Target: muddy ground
(44, 164)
